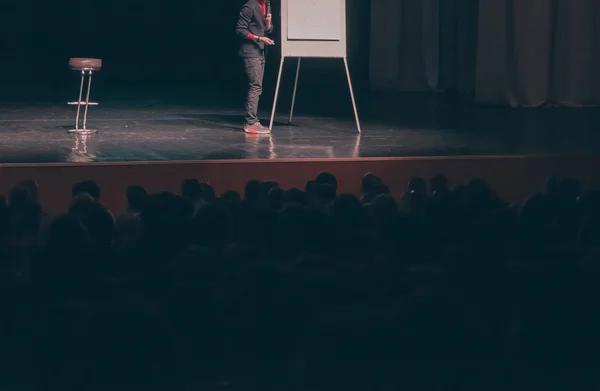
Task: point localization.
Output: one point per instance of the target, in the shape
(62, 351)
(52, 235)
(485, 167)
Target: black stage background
(150, 44)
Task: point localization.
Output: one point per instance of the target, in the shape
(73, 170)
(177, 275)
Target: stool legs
(79, 100)
(87, 103)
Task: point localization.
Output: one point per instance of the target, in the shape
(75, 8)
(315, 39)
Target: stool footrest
(83, 103)
(84, 132)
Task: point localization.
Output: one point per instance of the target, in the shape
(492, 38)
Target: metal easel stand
(296, 89)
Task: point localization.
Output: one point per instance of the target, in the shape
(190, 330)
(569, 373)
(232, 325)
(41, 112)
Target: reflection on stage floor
(38, 134)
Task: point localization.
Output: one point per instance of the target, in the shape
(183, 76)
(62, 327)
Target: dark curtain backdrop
(516, 52)
(164, 49)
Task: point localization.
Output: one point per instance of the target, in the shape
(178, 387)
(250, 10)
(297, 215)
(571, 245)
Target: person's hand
(267, 41)
(269, 19)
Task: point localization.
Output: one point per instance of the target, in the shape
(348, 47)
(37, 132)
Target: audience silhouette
(441, 288)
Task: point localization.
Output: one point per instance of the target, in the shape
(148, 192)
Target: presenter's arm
(243, 27)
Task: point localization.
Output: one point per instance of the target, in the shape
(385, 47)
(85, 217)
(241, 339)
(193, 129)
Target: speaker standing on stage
(253, 25)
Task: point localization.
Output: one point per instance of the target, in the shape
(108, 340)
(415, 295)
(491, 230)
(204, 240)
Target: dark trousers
(255, 70)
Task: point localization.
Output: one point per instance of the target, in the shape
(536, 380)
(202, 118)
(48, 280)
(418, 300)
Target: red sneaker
(256, 128)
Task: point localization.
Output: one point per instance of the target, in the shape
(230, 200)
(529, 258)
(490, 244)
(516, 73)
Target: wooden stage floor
(157, 145)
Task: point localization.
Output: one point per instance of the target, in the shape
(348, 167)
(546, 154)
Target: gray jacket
(251, 21)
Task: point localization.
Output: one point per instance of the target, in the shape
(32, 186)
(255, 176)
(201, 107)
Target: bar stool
(87, 66)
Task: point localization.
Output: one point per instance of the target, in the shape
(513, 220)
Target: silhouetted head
(90, 187)
(183, 208)
(98, 220)
(347, 209)
(439, 184)
(325, 194)
(481, 197)
(32, 188)
(67, 248)
(369, 183)
(252, 193)
(231, 196)
(478, 185)
(384, 205)
(137, 198)
(381, 189)
(311, 189)
(208, 192)
(24, 211)
(276, 198)
(67, 234)
(101, 225)
(267, 186)
(414, 202)
(327, 178)
(296, 196)
(536, 211)
(417, 185)
(26, 219)
(191, 189)
(157, 217)
(19, 198)
(367, 198)
(81, 203)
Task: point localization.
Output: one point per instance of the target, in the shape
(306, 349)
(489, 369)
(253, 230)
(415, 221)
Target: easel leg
(295, 89)
(352, 94)
(276, 93)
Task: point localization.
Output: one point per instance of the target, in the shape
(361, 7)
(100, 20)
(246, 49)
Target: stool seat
(94, 64)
